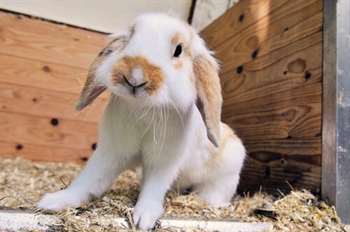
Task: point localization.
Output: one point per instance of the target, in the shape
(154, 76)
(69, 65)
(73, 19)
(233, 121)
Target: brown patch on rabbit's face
(178, 39)
(92, 88)
(151, 73)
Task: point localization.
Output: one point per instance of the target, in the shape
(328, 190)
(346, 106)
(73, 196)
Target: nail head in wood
(307, 75)
(46, 68)
(55, 122)
(19, 147)
(239, 69)
(241, 18)
(255, 53)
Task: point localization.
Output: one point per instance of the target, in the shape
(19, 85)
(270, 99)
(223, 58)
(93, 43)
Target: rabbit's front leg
(112, 156)
(99, 173)
(160, 168)
(157, 179)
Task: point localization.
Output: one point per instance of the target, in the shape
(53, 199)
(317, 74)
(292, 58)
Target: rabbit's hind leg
(223, 173)
(218, 192)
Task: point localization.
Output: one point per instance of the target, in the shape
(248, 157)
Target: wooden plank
(329, 101)
(278, 96)
(25, 40)
(41, 74)
(40, 102)
(271, 54)
(280, 173)
(286, 24)
(35, 130)
(336, 105)
(244, 14)
(44, 153)
(265, 17)
(15, 220)
(43, 67)
(44, 27)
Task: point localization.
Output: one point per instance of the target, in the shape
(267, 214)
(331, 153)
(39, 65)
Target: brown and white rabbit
(163, 115)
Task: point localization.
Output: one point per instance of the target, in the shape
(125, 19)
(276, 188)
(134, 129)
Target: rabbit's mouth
(133, 87)
(137, 73)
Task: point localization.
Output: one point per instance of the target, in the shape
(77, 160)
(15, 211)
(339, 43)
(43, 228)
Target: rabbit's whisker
(178, 113)
(164, 123)
(144, 113)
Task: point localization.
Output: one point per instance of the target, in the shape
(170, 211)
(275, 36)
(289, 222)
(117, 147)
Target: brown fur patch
(178, 64)
(209, 93)
(152, 74)
(178, 39)
(91, 88)
(227, 134)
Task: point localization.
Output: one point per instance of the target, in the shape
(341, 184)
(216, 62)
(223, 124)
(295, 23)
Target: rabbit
(164, 115)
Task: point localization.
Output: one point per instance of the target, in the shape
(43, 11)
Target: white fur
(164, 133)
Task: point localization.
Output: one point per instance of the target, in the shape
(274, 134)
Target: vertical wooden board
(271, 54)
(329, 137)
(336, 101)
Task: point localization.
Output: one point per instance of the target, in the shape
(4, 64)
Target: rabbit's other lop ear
(209, 98)
(93, 88)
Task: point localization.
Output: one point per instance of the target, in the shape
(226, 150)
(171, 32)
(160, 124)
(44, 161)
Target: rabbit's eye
(178, 50)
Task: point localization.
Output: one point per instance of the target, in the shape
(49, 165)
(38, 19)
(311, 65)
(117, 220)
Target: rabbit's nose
(132, 84)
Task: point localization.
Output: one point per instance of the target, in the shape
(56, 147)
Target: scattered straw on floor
(22, 183)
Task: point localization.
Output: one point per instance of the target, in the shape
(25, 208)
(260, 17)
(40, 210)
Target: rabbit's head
(159, 61)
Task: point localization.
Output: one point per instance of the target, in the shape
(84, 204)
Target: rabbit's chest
(195, 167)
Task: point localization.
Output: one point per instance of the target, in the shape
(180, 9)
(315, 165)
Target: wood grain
(43, 67)
(287, 23)
(23, 128)
(336, 102)
(330, 98)
(30, 40)
(41, 102)
(271, 54)
(41, 74)
(43, 153)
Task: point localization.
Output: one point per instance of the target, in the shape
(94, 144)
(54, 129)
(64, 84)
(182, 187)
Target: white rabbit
(163, 115)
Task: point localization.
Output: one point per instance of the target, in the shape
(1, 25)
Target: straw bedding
(23, 182)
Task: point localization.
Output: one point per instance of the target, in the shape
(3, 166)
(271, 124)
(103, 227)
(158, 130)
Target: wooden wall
(42, 68)
(271, 54)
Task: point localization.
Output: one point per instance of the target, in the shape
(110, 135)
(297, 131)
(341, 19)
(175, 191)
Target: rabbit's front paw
(61, 200)
(146, 214)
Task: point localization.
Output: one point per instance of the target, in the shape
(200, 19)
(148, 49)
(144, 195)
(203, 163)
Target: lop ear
(93, 87)
(209, 98)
